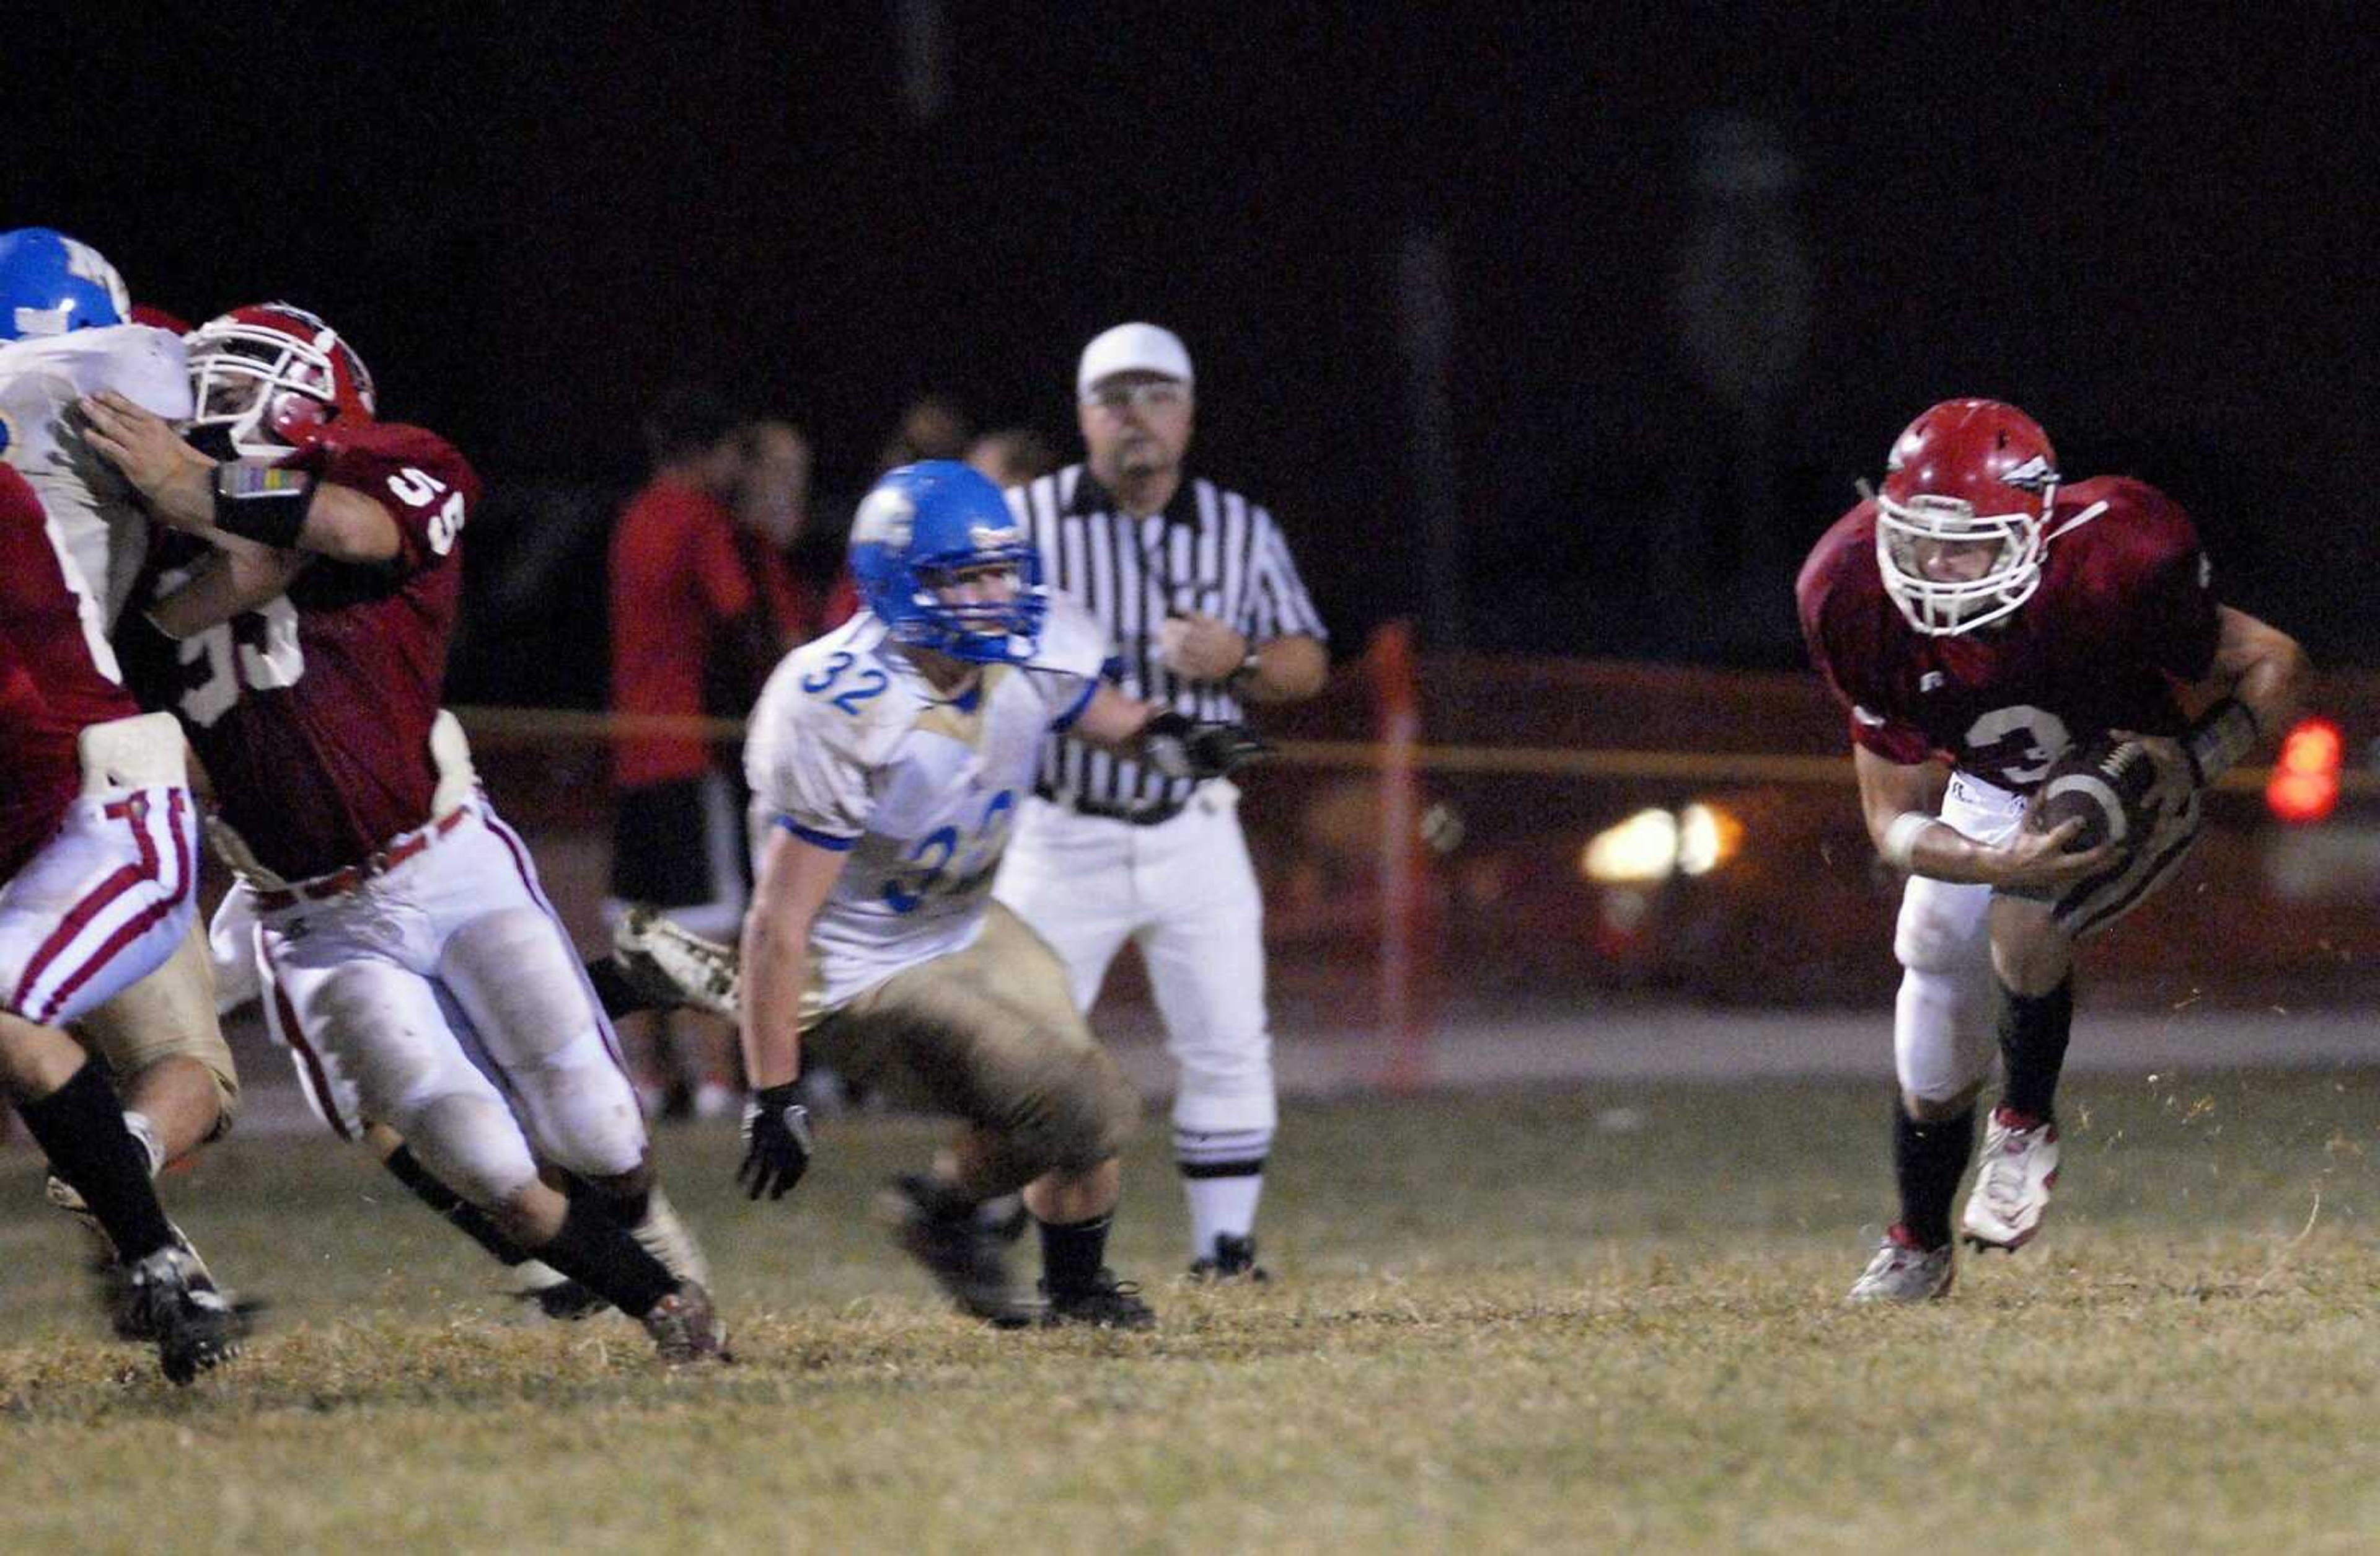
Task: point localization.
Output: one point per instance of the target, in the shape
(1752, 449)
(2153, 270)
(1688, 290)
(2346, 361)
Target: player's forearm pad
(266, 503)
(2222, 736)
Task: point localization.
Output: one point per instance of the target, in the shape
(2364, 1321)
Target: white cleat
(675, 965)
(2012, 1183)
(1904, 1270)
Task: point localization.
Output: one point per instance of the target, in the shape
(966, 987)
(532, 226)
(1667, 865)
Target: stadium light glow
(1642, 849)
(1707, 837)
(2304, 784)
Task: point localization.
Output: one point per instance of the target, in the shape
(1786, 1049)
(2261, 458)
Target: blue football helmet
(917, 532)
(50, 284)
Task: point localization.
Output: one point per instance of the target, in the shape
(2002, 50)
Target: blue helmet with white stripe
(942, 562)
(50, 285)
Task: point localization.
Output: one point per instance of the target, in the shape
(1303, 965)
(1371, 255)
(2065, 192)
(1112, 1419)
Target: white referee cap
(1133, 348)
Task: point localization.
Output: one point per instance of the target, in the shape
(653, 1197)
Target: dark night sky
(2156, 235)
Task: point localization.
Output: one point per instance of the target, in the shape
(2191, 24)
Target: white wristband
(1900, 845)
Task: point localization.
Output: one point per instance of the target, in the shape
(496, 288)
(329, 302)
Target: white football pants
(102, 905)
(444, 999)
(1185, 892)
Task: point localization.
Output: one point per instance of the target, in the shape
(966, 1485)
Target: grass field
(1578, 1320)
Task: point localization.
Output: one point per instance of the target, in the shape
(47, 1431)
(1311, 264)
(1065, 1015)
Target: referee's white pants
(1184, 892)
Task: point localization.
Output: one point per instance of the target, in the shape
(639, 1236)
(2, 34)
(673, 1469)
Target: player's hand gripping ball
(2104, 783)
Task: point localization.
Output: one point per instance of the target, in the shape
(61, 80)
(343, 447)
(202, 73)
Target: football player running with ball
(888, 759)
(409, 952)
(1977, 617)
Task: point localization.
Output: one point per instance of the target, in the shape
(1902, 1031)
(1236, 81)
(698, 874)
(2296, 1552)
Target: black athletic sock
(1071, 1253)
(939, 1198)
(1927, 1161)
(614, 991)
(629, 1210)
(592, 1249)
(80, 1128)
(469, 1219)
(2033, 1028)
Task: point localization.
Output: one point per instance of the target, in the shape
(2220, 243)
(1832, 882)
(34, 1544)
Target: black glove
(1180, 747)
(776, 1142)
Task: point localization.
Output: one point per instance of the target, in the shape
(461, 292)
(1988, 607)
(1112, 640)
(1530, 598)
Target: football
(2106, 783)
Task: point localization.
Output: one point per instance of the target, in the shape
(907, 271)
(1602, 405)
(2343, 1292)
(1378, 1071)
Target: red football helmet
(1968, 476)
(272, 376)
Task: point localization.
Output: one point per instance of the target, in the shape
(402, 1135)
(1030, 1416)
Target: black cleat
(959, 1249)
(132, 1317)
(1234, 1258)
(1106, 1303)
(1005, 1215)
(562, 1299)
(194, 1328)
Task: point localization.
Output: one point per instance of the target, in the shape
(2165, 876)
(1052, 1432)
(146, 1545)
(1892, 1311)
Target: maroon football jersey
(313, 713)
(58, 674)
(2125, 611)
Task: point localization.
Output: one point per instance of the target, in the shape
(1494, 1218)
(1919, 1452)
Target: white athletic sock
(1223, 1176)
(661, 1234)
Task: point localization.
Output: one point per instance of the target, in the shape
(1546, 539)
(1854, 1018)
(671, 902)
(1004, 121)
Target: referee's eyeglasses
(1150, 395)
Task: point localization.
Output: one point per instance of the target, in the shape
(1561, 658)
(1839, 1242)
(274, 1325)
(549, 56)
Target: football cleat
(111, 1281)
(194, 1328)
(672, 966)
(2013, 1182)
(1234, 1258)
(960, 1250)
(555, 1295)
(687, 1329)
(1006, 1215)
(1904, 1270)
(1106, 1303)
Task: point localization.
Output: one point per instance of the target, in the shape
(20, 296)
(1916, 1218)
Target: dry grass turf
(1577, 1320)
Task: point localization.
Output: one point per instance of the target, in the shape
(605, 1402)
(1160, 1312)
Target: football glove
(776, 1142)
(1180, 747)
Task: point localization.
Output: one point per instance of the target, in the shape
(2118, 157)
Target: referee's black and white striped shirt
(1211, 549)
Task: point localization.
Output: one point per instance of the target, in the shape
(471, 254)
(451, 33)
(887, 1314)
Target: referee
(1198, 593)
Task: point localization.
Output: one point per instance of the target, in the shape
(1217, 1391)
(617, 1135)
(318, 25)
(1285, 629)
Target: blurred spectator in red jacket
(684, 598)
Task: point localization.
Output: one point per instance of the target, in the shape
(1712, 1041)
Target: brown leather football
(2105, 783)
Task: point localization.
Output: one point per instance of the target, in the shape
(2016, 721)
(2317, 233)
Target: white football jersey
(40, 378)
(852, 748)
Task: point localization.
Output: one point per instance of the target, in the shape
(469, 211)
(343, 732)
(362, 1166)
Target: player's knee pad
(1943, 1031)
(470, 1141)
(579, 1108)
(519, 981)
(1082, 1118)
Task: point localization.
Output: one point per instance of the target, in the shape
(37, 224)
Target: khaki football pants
(170, 1012)
(990, 1035)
